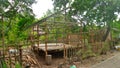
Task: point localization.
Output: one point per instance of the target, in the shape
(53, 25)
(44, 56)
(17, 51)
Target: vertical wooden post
(64, 41)
(10, 59)
(84, 41)
(3, 41)
(33, 30)
(46, 39)
(15, 56)
(38, 38)
(64, 52)
(66, 32)
(66, 49)
(31, 39)
(20, 53)
(81, 37)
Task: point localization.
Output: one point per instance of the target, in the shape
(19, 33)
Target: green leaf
(4, 64)
(17, 65)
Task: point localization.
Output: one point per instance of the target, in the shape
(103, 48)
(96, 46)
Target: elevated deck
(54, 46)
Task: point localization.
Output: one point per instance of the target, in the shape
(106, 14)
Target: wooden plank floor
(53, 46)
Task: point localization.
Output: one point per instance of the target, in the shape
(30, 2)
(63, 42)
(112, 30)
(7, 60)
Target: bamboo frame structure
(57, 36)
(82, 38)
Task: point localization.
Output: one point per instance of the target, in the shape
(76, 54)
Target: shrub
(105, 48)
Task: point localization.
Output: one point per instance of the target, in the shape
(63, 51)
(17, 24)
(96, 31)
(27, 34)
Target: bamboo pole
(20, 49)
(3, 41)
(38, 38)
(64, 52)
(46, 40)
(65, 23)
(10, 60)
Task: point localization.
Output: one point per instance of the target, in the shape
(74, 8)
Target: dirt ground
(59, 62)
(37, 60)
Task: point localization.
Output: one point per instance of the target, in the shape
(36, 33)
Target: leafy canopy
(98, 12)
(15, 15)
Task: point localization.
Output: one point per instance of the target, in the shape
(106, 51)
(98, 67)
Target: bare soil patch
(37, 60)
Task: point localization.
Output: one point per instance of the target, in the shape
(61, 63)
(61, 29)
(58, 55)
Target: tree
(14, 11)
(11, 13)
(92, 12)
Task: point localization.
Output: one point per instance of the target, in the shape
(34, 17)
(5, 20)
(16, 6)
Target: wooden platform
(53, 46)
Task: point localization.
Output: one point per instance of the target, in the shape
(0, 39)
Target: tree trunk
(106, 34)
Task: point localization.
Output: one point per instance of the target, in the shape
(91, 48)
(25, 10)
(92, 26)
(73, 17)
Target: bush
(105, 48)
(83, 54)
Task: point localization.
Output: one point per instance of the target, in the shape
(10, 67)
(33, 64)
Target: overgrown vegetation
(86, 15)
(15, 15)
(94, 14)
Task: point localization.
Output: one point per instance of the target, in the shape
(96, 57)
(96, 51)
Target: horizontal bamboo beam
(44, 19)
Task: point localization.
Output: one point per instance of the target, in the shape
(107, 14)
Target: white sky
(41, 7)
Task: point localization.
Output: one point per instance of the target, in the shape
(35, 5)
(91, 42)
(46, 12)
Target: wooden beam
(44, 19)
